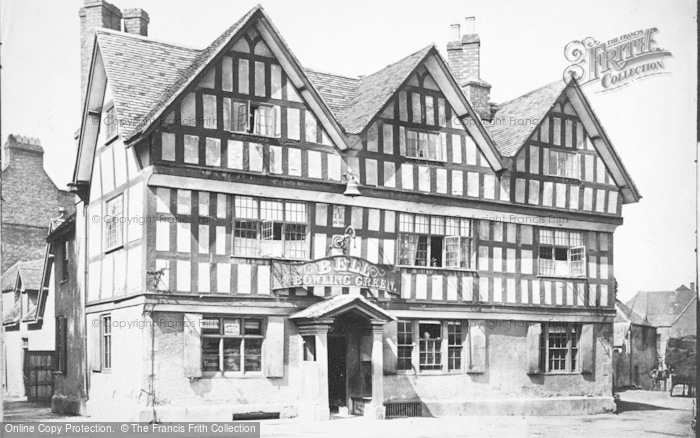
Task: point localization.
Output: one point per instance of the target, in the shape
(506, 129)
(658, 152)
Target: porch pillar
(324, 410)
(313, 401)
(376, 409)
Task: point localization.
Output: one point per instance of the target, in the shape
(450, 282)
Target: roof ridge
(528, 93)
(431, 45)
(313, 70)
(146, 39)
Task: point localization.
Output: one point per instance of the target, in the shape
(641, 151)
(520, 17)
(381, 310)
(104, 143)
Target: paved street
(642, 414)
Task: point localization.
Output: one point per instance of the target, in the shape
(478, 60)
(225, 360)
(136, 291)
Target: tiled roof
(141, 71)
(625, 314)
(336, 90)
(29, 273)
(506, 132)
(201, 59)
(661, 308)
(11, 315)
(375, 90)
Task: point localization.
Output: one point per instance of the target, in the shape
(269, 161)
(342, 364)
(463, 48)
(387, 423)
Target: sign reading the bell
(341, 270)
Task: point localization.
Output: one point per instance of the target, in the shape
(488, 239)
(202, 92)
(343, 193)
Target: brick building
(291, 242)
(30, 200)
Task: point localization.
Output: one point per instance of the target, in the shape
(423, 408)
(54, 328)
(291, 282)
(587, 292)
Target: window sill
(232, 375)
(562, 277)
(280, 259)
(251, 134)
(562, 373)
(114, 249)
(425, 160)
(438, 268)
(430, 373)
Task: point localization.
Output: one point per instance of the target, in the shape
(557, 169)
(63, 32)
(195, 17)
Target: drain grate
(403, 409)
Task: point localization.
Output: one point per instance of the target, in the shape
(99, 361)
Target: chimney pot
(470, 28)
(692, 285)
(456, 36)
(136, 21)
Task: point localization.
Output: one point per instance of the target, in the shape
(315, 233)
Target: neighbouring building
(635, 354)
(29, 200)
(70, 378)
(28, 332)
(662, 309)
(260, 237)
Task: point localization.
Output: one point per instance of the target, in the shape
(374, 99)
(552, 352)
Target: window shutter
(587, 349)
(465, 345)
(533, 348)
(94, 350)
(477, 347)
(390, 347)
(274, 347)
(193, 345)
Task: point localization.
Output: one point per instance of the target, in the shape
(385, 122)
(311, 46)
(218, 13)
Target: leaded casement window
(114, 223)
(561, 253)
(564, 164)
(250, 117)
(232, 344)
(559, 352)
(404, 345)
(436, 241)
(426, 145)
(270, 228)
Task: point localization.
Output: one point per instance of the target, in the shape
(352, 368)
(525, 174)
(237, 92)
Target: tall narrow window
(405, 345)
(106, 344)
(111, 123)
(559, 348)
(61, 347)
(430, 346)
(454, 346)
(114, 227)
(64, 261)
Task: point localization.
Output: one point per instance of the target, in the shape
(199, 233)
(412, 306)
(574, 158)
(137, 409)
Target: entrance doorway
(337, 372)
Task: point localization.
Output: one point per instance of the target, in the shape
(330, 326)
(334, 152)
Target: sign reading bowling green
(341, 270)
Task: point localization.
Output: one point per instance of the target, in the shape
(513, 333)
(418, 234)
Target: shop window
(232, 345)
(436, 241)
(270, 228)
(559, 350)
(561, 253)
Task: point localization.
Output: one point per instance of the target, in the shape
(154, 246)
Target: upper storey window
(562, 253)
(435, 241)
(111, 123)
(564, 164)
(250, 117)
(425, 145)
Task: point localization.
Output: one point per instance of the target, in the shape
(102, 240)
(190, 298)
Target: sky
(652, 122)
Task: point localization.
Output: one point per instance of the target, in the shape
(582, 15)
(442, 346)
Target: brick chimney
(463, 58)
(136, 21)
(95, 14)
(20, 150)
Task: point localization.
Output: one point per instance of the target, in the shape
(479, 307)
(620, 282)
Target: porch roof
(339, 304)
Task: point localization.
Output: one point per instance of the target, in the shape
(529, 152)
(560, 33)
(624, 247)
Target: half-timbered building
(260, 237)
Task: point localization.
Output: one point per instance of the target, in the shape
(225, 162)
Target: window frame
(252, 125)
(288, 226)
(414, 346)
(117, 224)
(452, 227)
(111, 128)
(572, 164)
(64, 261)
(61, 345)
(572, 350)
(106, 342)
(440, 145)
(242, 336)
(576, 252)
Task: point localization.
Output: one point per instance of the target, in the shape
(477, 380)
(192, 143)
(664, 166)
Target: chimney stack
(692, 286)
(136, 21)
(95, 14)
(463, 58)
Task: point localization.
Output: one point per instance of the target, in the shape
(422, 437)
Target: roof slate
(29, 272)
(140, 72)
(661, 308)
(337, 91)
(508, 135)
(625, 314)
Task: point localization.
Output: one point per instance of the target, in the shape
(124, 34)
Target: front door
(337, 381)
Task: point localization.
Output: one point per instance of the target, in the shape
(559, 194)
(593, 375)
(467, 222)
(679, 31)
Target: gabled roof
(339, 304)
(691, 305)
(336, 90)
(142, 72)
(625, 314)
(661, 308)
(28, 274)
(534, 105)
(375, 90)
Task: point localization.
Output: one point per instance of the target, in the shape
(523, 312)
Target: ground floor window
(559, 348)
(106, 344)
(434, 338)
(232, 345)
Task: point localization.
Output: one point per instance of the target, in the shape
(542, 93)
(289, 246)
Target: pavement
(641, 414)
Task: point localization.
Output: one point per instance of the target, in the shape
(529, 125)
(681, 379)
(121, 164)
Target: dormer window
(250, 117)
(111, 123)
